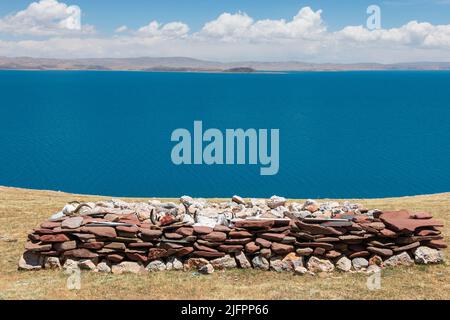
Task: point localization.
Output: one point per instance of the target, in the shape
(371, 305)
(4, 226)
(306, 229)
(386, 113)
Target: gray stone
(344, 264)
(300, 270)
(86, 264)
(173, 263)
(225, 262)
(278, 265)
(426, 255)
(206, 269)
(402, 259)
(52, 263)
(70, 264)
(243, 261)
(103, 267)
(319, 265)
(302, 214)
(259, 262)
(237, 199)
(72, 223)
(30, 261)
(156, 265)
(127, 267)
(360, 263)
(276, 201)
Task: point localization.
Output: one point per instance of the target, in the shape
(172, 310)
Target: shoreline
(176, 198)
(231, 72)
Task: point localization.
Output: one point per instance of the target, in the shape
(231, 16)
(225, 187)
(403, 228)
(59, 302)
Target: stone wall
(118, 239)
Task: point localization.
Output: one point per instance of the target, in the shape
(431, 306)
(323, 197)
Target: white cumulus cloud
(233, 27)
(169, 30)
(230, 36)
(44, 18)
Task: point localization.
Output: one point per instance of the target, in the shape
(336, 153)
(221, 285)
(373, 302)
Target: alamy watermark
(374, 19)
(234, 146)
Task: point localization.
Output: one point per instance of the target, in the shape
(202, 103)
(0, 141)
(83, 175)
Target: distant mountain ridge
(185, 64)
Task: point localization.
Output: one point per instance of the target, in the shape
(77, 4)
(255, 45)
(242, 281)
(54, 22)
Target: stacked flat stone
(351, 241)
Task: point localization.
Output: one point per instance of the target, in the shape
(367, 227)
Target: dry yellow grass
(21, 210)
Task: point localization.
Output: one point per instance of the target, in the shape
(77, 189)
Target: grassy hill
(21, 210)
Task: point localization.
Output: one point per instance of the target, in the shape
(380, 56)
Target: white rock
(259, 262)
(70, 264)
(278, 265)
(319, 265)
(52, 263)
(206, 269)
(173, 263)
(86, 264)
(426, 255)
(276, 201)
(299, 270)
(360, 263)
(402, 259)
(156, 265)
(103, 267)
(238, 199)
(243, 261)
(225, 262)
(127, 267)
(344, 264)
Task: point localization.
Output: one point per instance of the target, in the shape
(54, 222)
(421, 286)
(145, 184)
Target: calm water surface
(342, 134)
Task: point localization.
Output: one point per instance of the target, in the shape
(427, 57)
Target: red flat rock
(381, 251)
(438, 244)
(207, 254)
(185, 231)
(388, 233)
(272, 236)
(242, 241)
(317, 229)
(425, 233)
(156, 253)
(141, 245)
(359, 254)
(281, 249)
(231, 248)
(221, 228)
(200, 247)
(202, 230)
(251, 247)
(254, 224)
(139, 257)
(184, 251)
(80, 253)
(115, 257)
(421, 215)
(173, 235)
(107, 232)
(215, 236)
(96, 245)
(263, 243)
(50, 224)
(240, 234)
(150, 234)
(401, 221)
(127, 229)
(54, 238)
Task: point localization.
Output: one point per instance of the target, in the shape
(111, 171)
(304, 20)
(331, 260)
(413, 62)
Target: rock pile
(119, 237)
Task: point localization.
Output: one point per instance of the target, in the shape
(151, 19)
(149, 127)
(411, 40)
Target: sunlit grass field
(21, 210)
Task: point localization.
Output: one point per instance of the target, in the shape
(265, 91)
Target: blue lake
(342, 134)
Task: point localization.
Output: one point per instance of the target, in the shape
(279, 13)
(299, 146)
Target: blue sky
(106, 15)
(227, 30)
